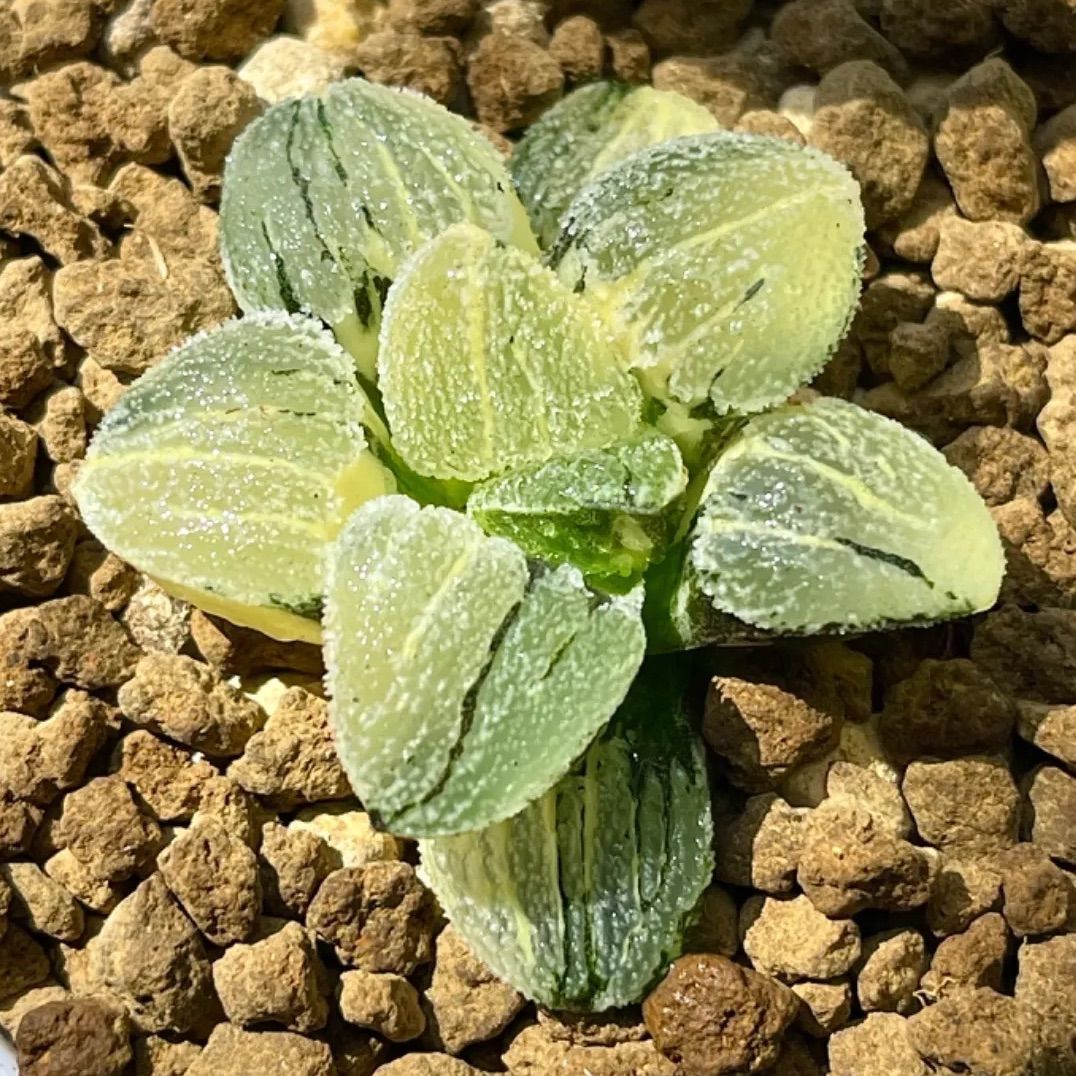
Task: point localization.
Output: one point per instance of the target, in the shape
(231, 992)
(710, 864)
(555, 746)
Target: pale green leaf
(325, 196)
(588, 132)
(488, 363)
(580, 900)
(463, 687)
(826, 517)
(227, 470)
(729, 262)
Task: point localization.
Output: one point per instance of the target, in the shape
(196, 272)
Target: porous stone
(924, 30)
(944, 709)
(149, 954)
(377, 918)
(349, 833)
(983, 142)
(880, 1045)
(1044, 24)
(1057, 424)
(16, 1007)
(435, 1065)
(578, 45)
(268, 1053)
(25, 369)
(155, 1055)
(1050, 728)
(214, 875)
(429, 65)
(23, 962)
(716, 926)
(18, 824)
(435, 17)
(629, 56)
(1048, 290)
(294, 864)
(761, 121)
(760, 845)
(1050, 818)
(889, 972)
(96, 895)
(168, 779)
(914, 236)
(863, 119)
(382, 1002)
(237, 651)
(713, 1016)
(1039, 897)
(966, 805)
(727, 85)
(37, 541)
(59, 416)
(189, 702)
(286, 66)
(104, 829)
(468, 1004)
(159, 623)
(859, 787)
(824, 1007)
(18, 449)
(960, 892)
(73, 1035)
(1001, 463)
(1033, 654)
(790, 939)
(1046, 984)
(1040, 554)
(278, 980)
(41, 903)
(512, 81)
(221, 30)
(292, 760)
(969, 960)
(981, 259)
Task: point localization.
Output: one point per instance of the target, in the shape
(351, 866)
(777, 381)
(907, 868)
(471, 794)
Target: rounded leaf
(729, 262)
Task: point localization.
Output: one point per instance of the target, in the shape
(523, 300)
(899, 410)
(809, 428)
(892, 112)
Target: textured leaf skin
(463, 688)
(580, 900)
(227, 470)
(326, 196)
(489, 364)
(589, 131)
(607, 511)
(729, 262)
(828, 518)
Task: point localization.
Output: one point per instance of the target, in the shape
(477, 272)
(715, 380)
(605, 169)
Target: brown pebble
(382, 1002)
(716, 927)
(893, 298)
(924, 30)
(237, 651)
(969, 960)
(74, 1035)
(981, 260)
(1046, 984)
(214, 875)
(96, 895)
(1048, 290)
(1040, 554)
(983, 141)
(42, 903)
(23, 962)
(701, 27)
(436, 17)
(166, 777)
(468, 1004)
(378, 918)
(277, 980)
(295, 863)
(59, 416)
(715, 1017)
(214, 29)
(578, 46)
(18, 825)
(1050, 818)
(863, 119)
(914, 236)
(759, 846)
(629, 56)
(1032, 654)
(879, 1046)
(891, 966)
(789, 938)
(1046, 25)
(761, 121)
(1057, 424)
(966, 805)
(512, 81)
(824, 1007)
(944, 709)
(37, 542)
(961, 891)
(1055, 143)
(267, 1053)
(429, 65)
(430, 1065)
(155, 1055)
(1001, 463)
(1050, 728)
(189, 702)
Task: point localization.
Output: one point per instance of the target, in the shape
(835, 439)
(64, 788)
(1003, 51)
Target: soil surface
(186, 885)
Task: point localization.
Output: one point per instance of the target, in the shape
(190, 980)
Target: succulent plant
(502, 436)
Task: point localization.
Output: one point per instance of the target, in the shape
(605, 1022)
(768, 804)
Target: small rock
(429, 65)
(43, 904)
(1055, 143)
(727, 85)
(983, 141)
(1049, 728)
(914, 236)
(214, 875)
(716, 928)
(1040, 555)
(1038, 896)
(1051, 811)
(278, 980)
(969, 960)
(790, 939)
(702, 28)
(240, 651)
(16, 132)
(823, 34)
(968, 804)
(221, 30)
(157, 1056)
(167, 779)
(864, 789)
(890, 969)
(382, 1002)
(296, 862)
(1048, 290)
(59, 416)
(149, 954)
(824, 1007)
(349, 833)
(978, 259)
(1045, 25)
(100, 897)
(18, 449)
(189, 702)
(101, 389)
(578, 46)
(893, 298)
(37, 541)
(512, 81)
(233, 807)
(431, 1065)
(436, 17)
(15, 1008)
(977, 1031)
(468, 1003)
(629, 56)
(944, 709)
(762, 731)
(881, 1046)
(23, 962)
(268, 1053)
(284, 67)
(1001, 463)
(378, 917)
(863, 119)
(73, 1035)
(104, 829)
(159, 623)
(1057, 424)
(761, 845)
(960, 892)
(1046, 984)
(761, 121)
(919, 352)
(850, 863)
(1033, 654)
(25, 369)
(927, 31)
(209, 110)
(18, 824)
(292, 760)
(713, 1016)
